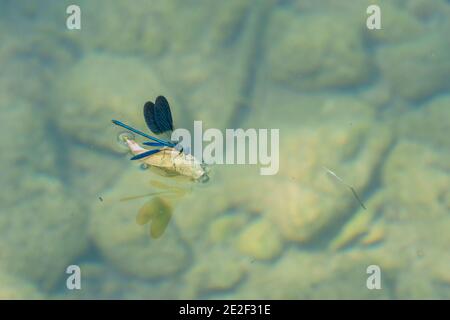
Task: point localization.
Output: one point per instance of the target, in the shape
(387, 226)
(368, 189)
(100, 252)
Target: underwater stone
(219, 270)
(359, 225)
(429, 124)
(336, 132)
(91, 171)
(416, 178)
(38, 210)
(375, 234)
(144, 31)
(260, 241)
(102, 87)
(429, 10)
(127, 245)
(192, 62)
(19, 161)
(311, 275)
(202, 206)
(314, 51)
(224, 228)
(229, 23)
(421, 256)
(417, 69)
(208, 86)
(287, 109)
(13, 288)
(41, 236)
(158, 28)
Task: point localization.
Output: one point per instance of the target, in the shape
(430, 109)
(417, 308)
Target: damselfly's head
(122, 139)
(124, 136)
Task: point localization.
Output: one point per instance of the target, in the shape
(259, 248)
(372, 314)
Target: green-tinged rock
(225, 228)
(260, 240)
(29, 152)
(43, 232)
(219, 270)
(424, 272)
(375, 234)
(42, 225)
(13, 288)
(312, 275)
(280, 108)
(378, 96)
(428, 10)
(92, 171)
(206, 204)
(416, 70)
(129, 246)
(316, 51)
(204, 65)
(417, 179)
(159, 27)
(419, 288)
(207, 87)
(359, 225)
(429, 124)
(156, 27)
(302, 200)
(145, 31)
(230, 21)
(102, 87)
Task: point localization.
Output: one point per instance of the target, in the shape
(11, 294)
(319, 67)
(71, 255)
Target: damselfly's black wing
(158, 116)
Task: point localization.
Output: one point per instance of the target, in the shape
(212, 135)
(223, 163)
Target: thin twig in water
(357, 198)
(347, 185)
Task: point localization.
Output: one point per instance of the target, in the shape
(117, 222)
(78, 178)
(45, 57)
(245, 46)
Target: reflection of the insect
(158, 210)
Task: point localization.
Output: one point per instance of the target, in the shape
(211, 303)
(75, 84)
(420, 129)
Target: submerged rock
(85, 163)
(302, 200)
(43, 232)
(13, 288)
(361, 226)
(421, 258)
(103, 87)
(405, 66)
(429, 124)
(260, 240)
(417, 179)
(312, 275)
(415, 182)
(127, 245)
(316, 51)
(201, 64)
(219, 270)
(42, 225)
